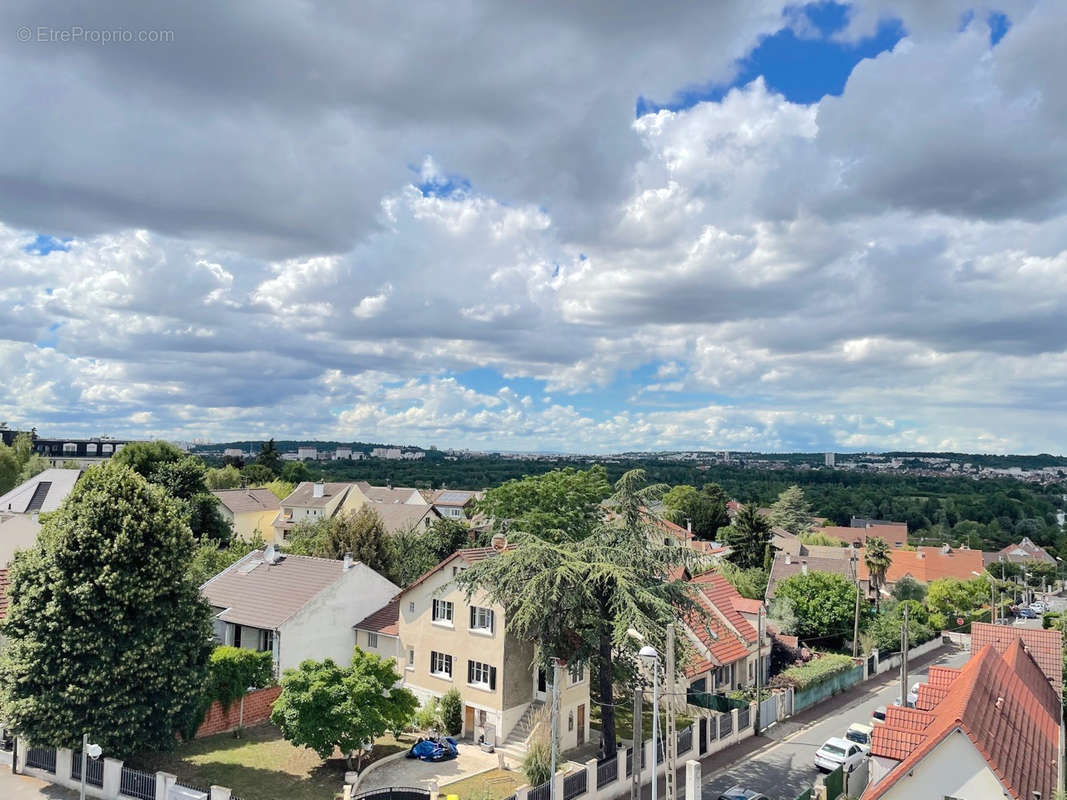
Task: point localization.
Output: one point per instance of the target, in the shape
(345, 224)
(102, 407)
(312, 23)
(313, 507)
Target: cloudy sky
(544, 225)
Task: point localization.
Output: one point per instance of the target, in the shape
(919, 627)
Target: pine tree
(791, 511)
(747, 537)
(107, 634)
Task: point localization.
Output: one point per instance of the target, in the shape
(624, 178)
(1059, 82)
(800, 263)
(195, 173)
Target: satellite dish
(93, 751)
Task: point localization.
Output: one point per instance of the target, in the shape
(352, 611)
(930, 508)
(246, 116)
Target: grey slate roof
(240, 501)
(34, 492)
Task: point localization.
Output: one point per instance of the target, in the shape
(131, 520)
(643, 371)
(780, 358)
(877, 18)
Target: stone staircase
(514, 746)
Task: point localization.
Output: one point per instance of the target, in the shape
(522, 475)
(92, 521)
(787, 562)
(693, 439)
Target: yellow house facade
(250, 512)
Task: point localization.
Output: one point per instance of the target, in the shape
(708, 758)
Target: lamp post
(992, 596)
(650, 658)
(92, 751)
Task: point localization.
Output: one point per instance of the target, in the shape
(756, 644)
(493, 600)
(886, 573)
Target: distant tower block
(829, 459)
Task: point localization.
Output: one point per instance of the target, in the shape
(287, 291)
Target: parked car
(1028, 613)
(1039, 606)
(740, 793)
(839, 752)
(860, 734)
(878, 715)
(913, 694)
(434, 749)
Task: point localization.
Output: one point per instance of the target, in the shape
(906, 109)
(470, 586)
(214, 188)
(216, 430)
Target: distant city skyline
(527, 227)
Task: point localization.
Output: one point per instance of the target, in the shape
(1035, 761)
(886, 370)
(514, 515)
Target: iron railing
(94, 771)
(42, 758)
(742, 718)
(607, 772)
(134, 783)
(726, 725)
(685, 740)
(629, 762)
(542, 792)
(575, 784)
(394, 793)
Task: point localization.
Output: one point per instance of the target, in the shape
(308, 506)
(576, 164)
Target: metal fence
(134, 783)
(187, 784)
(685, 740)
(629, 762)
(742, 718)
(726, 725)
(575, 784)
(94, 771)
(606, 772)
(542, 792)
(42, 758)
(835, 783)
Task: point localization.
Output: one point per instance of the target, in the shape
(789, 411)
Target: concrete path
(412, 772)
(23, 787)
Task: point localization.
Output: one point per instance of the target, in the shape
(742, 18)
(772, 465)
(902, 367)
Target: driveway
(412, 772)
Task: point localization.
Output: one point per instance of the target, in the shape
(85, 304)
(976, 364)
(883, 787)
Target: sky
(582, 227)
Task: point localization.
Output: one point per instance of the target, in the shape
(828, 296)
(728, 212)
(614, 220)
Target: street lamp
(992, 596)
(650, 658)
(93, 751)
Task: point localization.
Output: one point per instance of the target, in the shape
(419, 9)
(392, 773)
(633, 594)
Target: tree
(580, 600)
(34, 466)
(452, 712)
(817, 538)
(280, 488)
(410, 553)
(791, 511)
(878, 559)
(559, 505)
(233, 670)
(210, 558)
(145, 457)
(295, 472)
(106, 632)
(907, 588)
(326, 707)
(747, 537)
(750, 583)
(9, 469)
(71, 463)
(23, 448)
(822, 604)
(256, 475)
(270, 458)
(685, 504)
(228, 477)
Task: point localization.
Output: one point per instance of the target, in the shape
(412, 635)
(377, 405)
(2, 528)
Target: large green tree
(106, 632)
(270, 458)
(325, 707)
(819, 605)
(581, 599)
(747, 537)
(560, 505)
(9, 469)
(684, 504)
(791, 511)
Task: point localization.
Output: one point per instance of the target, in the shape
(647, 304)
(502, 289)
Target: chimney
(319, 489)
(499, 542)
(788, 558)
(689, 525)
(348, 561)
(920, 554)
(804, 566)
(270, 554)
(945, 549)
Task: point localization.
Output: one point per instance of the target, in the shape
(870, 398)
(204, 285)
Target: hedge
(814, 672)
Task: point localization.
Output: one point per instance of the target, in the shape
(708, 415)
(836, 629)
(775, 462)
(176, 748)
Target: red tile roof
(722, 630)
(1046, 646)
(4, 599)
(744, 605)
(894, 535)
(471, 555)
(1001, 703)
(385, 620)
(927, 564)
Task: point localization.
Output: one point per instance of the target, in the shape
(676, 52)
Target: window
(411, 657)
(411, 607)
(577, 672)
(482, 619)
(372, 639)
(479, 674)
(440, 664)
(442, 611)
(90, 449)
(266, 641)
(570, 720)
(236, 636)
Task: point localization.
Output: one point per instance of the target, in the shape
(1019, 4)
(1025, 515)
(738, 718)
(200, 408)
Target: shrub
(452, 712)
(428, 717)
(814, 672)
(232, 670)
(537, 763)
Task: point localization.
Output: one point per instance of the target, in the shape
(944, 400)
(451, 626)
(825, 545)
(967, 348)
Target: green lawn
(624, 719)
(260, 765)
(493, 784)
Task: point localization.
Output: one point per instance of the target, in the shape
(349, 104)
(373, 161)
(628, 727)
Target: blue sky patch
(45, 244)
(804, 67)
(999, 24)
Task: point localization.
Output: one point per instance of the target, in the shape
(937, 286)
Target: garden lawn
(493, 784)
(624, 720)
(261, 765)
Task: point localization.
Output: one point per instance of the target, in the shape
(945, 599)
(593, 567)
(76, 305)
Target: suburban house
(401, 517)
(250, 512)
(1020, 553)
(297, 607)
(723, 641)
(895, 535)
(314, 501)
(811, 558)
(19, 508)
(443, 641)
(926, 564)
(453, 503)
(987, 730)
(391, 495)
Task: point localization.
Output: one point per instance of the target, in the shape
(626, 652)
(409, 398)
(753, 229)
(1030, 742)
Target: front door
(581, 724)
(541, 685)
(468, 722)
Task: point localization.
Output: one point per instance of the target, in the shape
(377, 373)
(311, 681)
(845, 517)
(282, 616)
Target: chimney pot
(319, 489)
(788, 558)
(804, 567)
(348, 561)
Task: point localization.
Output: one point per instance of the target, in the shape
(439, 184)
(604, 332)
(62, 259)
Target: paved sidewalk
(23, 787)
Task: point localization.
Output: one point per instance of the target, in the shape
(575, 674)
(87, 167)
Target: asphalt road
(783, 768)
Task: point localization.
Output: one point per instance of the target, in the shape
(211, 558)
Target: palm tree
(878, 561)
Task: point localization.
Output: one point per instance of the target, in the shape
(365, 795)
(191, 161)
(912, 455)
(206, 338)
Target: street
(784, 769)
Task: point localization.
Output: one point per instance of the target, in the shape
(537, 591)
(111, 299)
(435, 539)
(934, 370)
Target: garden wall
(257, 708)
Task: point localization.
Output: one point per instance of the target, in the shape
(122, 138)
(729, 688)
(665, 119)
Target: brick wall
(257, 711)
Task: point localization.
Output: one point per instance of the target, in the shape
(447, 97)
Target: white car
(860, 734)
(913, 695)
(1039, 606)
(839, 752)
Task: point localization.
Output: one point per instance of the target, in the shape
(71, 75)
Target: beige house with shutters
(441, 641)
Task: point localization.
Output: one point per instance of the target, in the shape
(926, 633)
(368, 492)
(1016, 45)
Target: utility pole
(759, 664)
(672, 738)
(556, 673)
(904, 659)
(638, 743)
(856, 620)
